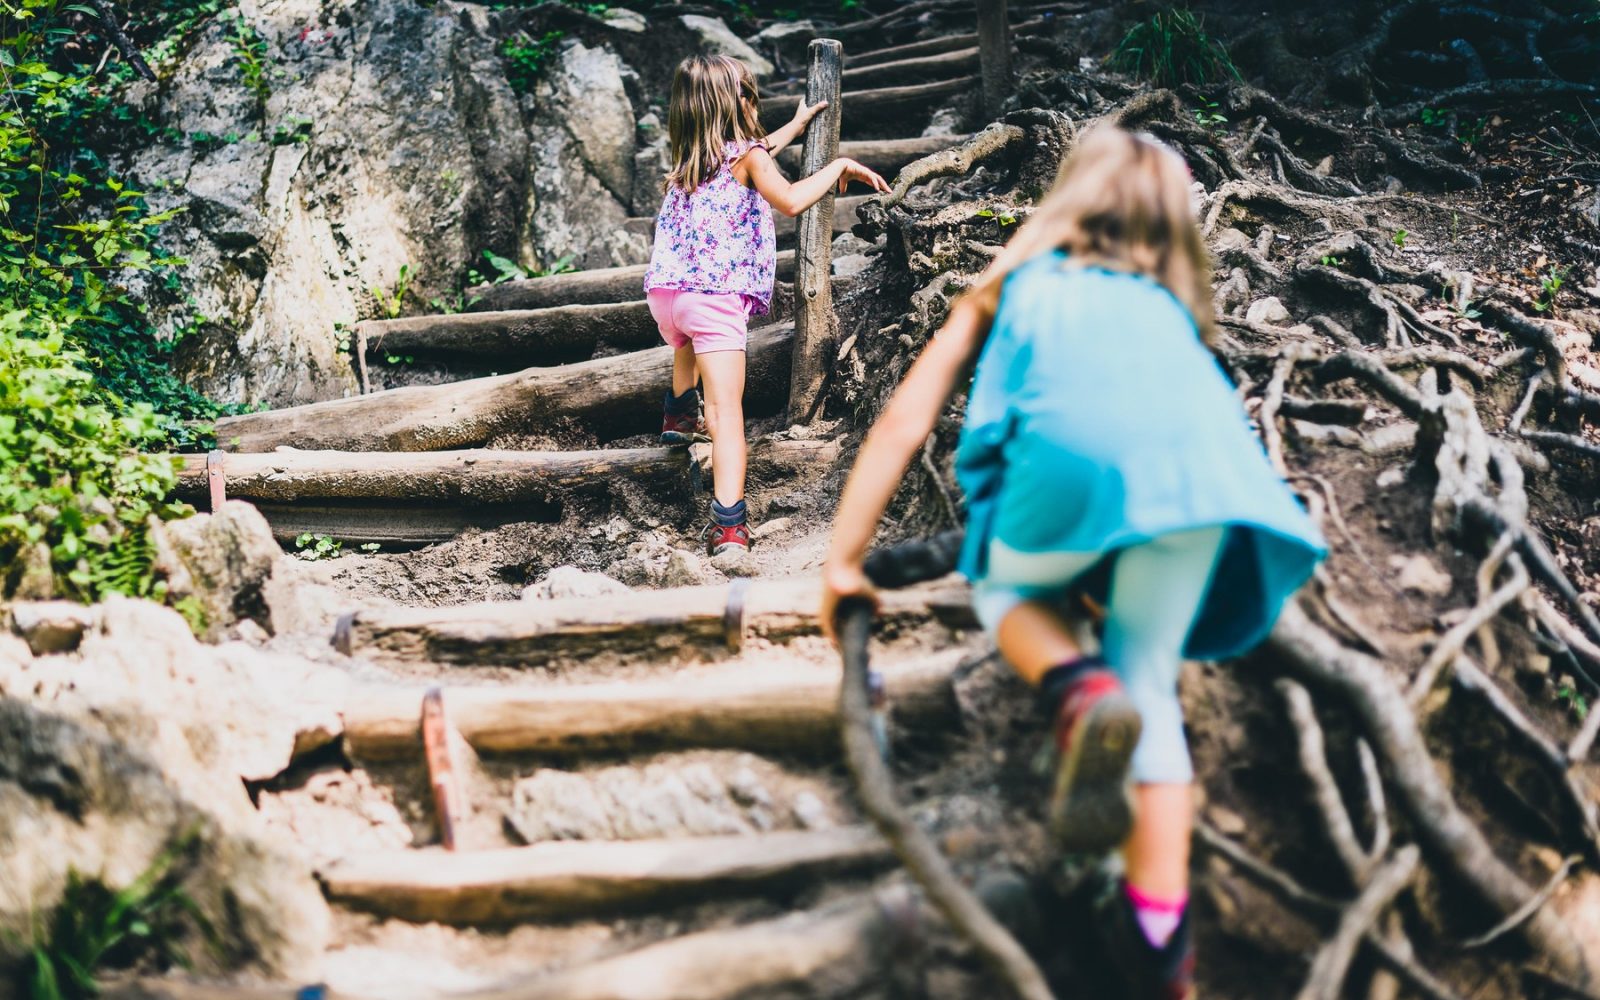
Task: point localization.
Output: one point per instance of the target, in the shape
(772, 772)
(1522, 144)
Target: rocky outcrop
(389, 137)
(582, 134)
(141, 737)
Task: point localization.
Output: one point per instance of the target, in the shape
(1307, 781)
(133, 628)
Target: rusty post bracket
(441, 770)
(733, 614)
(217, 479)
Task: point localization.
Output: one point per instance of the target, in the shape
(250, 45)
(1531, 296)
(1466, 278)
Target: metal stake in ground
(994, 55)
(447, 799)
(816, 328)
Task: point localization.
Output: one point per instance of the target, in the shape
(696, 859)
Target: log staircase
(687, 691)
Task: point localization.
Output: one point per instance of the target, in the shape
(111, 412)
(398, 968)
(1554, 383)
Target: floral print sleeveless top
(717, 240)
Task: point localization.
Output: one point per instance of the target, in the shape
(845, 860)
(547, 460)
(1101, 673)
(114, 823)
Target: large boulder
(139, 739)
(220, 560)
(716, 38)
(389, 137)
(582, 129)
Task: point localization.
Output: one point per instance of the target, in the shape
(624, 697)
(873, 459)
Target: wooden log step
(574, 877)
(553, 335)
(680, 622)
(790, 708)
(829, 951)
(886, 156)
(872, 106)
(610, 284)
(911, 50)
(914, 69)
(613, 397)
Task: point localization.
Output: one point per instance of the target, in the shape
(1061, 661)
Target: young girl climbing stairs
(715, 257)
(1102, 441)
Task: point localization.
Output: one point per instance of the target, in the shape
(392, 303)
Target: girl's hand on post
(805, 112)
(841, 581)
(854, 171)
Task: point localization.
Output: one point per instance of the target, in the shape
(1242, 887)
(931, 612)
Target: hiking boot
(683, 428)
(722, 538)
(1097, 727)
(1145, 971)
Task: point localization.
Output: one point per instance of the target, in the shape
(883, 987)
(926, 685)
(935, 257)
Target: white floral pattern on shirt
(717, 240)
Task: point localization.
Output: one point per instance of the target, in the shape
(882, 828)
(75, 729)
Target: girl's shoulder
(1054, 285)
(735, 148)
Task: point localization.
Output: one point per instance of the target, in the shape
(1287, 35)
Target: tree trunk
(690, 622)
(994, 45)
(816, 328)
(612, 397)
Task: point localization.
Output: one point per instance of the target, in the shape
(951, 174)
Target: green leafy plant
(1172, 47)
(1208, 115)
(1330, 260)
(1568, 695)
(527, 57)
(390, 301)
(314, 547)
(1434, 117)
(510, 270)
(1399, 239)
(292, 130)
(250, 53)
(1549, 286)
(77, 502)
(369, 547)
(70, 232)
(94, 928)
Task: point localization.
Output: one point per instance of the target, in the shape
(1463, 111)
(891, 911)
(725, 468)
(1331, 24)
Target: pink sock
(1158, 918)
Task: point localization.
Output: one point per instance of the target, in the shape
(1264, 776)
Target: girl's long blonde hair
(1120, 201)
(714, 101)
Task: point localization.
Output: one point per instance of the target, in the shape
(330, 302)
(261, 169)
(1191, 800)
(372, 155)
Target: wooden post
(994, 55)
(816, 328)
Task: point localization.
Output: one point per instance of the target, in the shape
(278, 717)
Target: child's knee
(1162, 756)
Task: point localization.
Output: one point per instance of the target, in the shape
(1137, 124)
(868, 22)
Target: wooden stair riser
(611, 284)
(793, 712)
(693, 622)
(612, 397)
(571, 878)
(865, 109)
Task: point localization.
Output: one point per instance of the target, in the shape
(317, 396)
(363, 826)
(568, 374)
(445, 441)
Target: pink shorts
(711, 322)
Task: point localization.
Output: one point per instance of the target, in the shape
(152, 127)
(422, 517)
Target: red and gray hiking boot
(683, 428)
(1097, 727)
(722, 538)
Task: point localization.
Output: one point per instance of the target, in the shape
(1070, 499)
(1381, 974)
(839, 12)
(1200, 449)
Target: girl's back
(718, 238)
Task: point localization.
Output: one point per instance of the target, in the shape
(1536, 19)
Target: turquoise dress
(1097, 420)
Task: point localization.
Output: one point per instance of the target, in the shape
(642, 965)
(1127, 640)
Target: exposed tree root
(1366, 687)
(1328, 969)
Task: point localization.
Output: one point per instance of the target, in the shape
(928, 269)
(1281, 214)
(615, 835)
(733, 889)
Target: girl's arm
(802, 116)
(757, 169)
(894, 439)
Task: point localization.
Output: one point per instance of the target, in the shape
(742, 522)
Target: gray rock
(1231, 239)
(221, 559)
(570, 581)
(582, 138)
(50, 626)
(112, 753)
(684, 569)
(735, 562)
(1267, 310)
(810, 812)
(663, 799)
(717, 38)
(651, 165)
(788, 42)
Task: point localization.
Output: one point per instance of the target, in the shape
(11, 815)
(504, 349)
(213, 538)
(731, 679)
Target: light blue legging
(1156, 590)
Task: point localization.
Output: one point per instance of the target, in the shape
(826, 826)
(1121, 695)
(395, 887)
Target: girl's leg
(1156, 591)
(683, 368)
(723, 373)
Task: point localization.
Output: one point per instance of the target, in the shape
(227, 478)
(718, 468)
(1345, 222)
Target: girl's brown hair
(1120, 201)
(714, 101)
